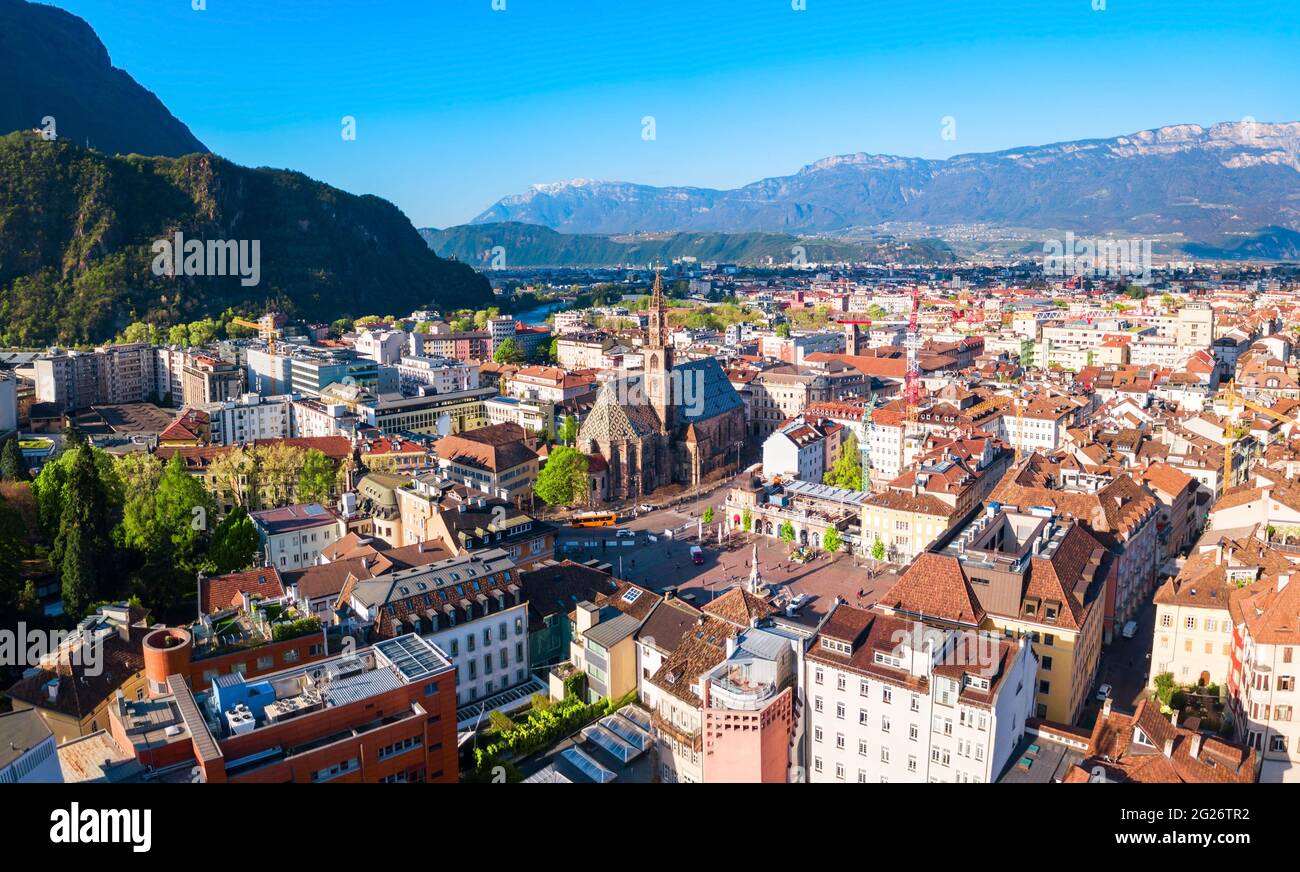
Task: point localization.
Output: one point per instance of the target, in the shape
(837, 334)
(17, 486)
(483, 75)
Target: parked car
(645, 507)
(626, 534)
(1130, 629)
(1103, 692)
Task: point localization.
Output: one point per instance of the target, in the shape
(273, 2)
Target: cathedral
(672, 424)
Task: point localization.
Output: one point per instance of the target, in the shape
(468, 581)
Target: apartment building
(1262, 690)
(892, 700)
(206, 379)
(1018, 573)
(1194, 635)
(1121, 514)
(750, 705)
(803, 448)
(550, 384)
(436, 375)
(436, 509)
(675, 692)
(783, 392)
(248, 417)
(292, 537)
(470, 607)
(491, 459)
(905, 521)
(111, 374)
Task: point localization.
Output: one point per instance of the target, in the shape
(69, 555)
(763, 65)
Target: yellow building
(1018, 574)
(904, 522)
(603, 641)
(71, 692)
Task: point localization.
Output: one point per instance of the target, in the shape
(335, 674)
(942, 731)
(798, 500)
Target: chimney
(1169, 747)
(1173, 718)
(669, 593)
(1196, 745)
(421, 545)
(1105, 709)
(52, 689)
(1283, 579)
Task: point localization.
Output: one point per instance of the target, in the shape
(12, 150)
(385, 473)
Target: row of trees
(132, 526)
(277, 474)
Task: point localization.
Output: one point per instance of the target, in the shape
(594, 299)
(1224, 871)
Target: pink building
(750, 714)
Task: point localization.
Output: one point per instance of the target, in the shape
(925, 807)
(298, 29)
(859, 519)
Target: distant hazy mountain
(1270, 243)
(1188, 179)
(53, 65)
(524, 245)
(76, 230)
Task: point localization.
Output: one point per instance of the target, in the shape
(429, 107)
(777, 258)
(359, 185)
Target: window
(1190, 623)
(839, 710)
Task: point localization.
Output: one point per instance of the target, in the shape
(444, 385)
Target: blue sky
(458, 105)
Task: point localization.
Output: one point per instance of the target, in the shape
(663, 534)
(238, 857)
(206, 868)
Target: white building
(27, 751)
(797, 450)
(292, 537)
(892, 701)
(470, 606)
(250, 417)
(382, 346)
(436, 375)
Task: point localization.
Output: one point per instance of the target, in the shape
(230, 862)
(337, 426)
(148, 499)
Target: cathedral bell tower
(659, 358)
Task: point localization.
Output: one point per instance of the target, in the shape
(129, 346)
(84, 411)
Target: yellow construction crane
(1233, 399)
(265, 327)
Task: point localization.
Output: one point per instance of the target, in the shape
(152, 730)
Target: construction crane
(864, 450)
(912, 380)
(1233, 400)
(265, 327)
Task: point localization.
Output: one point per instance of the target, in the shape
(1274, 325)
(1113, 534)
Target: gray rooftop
(609, 633)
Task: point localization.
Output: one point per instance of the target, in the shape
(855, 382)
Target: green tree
(831, 541)
(84, 507)
(746, 520)
(563, 481)
(878, 550)
(569, 430)
(462, 325)
(786, 532)
(846, 471)
(183, 508)
(707, 517)
(783, 330)
(508, 352)
(555, 350)
(13, 466)
(77, 572)
(1165, 686)
(234, 543)
(315, 478)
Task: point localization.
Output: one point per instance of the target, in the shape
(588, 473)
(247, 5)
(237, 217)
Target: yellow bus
(594, 519)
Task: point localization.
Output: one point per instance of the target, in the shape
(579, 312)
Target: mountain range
(531, 245)
(77, 223)
(1200, 182)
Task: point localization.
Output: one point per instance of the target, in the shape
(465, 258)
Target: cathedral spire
(658, 311)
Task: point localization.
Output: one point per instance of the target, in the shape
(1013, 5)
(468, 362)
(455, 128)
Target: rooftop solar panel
(413, 657)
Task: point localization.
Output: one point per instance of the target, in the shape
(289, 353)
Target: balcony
(738, 690)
